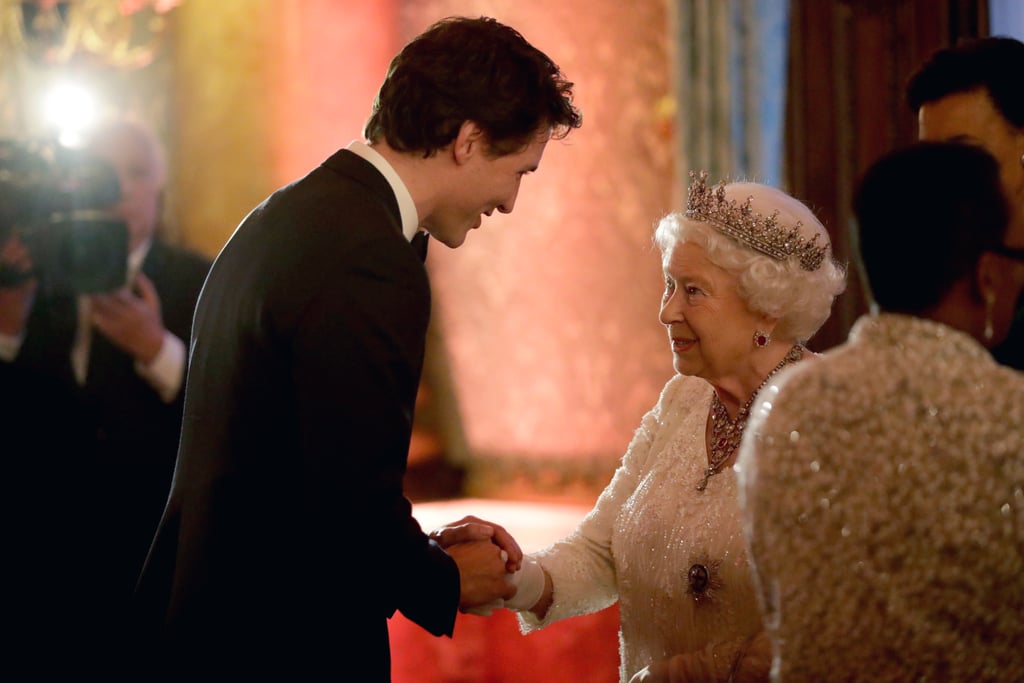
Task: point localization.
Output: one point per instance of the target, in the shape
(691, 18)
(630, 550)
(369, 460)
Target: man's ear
(469, 141)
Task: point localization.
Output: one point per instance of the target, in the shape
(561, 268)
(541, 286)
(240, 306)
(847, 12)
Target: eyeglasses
(1015, 253)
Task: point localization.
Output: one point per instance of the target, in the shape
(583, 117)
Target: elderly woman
(748, 278)
(883, 485)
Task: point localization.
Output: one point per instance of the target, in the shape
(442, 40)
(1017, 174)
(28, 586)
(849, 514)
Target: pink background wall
(546, 349)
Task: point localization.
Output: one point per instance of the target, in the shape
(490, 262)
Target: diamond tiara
(761, 233)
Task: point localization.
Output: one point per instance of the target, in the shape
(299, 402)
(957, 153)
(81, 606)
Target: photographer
(101, 375)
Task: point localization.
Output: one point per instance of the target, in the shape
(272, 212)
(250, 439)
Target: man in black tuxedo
(92, 395)
(287, 542)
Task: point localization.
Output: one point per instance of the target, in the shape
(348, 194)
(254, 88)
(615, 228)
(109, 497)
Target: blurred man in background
(974, 93)
(93, 396)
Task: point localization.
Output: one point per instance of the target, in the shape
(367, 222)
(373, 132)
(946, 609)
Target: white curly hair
(801, 300)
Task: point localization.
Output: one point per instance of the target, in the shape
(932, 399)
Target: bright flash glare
(70, 109)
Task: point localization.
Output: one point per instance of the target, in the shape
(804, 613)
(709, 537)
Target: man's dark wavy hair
(463, 69)
(995, 64)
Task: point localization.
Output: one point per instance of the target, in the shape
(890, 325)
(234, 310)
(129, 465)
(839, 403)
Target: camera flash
(70, 109)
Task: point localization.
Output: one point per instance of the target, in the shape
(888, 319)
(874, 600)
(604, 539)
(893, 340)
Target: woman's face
(710, 328)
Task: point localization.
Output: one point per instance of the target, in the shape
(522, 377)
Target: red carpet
(491, 649)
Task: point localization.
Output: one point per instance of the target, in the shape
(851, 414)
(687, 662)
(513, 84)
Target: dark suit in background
(306, 358)
(93, 462)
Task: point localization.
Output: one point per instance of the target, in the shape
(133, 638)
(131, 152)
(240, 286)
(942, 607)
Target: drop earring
(762, 339)
(990, 303)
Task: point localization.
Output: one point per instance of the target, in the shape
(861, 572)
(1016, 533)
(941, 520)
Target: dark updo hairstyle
(925, 214)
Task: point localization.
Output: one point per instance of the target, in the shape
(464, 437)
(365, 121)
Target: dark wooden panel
(848, 63)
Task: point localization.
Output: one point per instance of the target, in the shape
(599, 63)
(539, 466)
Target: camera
(59, 202)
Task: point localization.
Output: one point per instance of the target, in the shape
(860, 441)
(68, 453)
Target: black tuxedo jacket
(287, 541)
(90, 467)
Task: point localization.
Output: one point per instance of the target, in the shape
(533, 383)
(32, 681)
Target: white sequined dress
(883, 493)
(652, 539)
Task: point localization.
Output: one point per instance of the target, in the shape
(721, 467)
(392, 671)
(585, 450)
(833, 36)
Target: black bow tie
(419, 244)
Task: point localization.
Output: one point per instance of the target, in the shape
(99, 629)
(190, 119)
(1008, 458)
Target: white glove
(529, 582)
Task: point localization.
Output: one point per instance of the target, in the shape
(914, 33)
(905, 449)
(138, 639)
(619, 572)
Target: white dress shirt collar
(406, 207)
(136, 257)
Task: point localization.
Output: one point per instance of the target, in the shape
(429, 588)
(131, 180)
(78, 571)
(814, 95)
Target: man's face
(971, 117)
(140, 172)
(485, 183)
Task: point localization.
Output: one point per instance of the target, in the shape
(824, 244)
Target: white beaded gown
(883, 494)
(673, 556)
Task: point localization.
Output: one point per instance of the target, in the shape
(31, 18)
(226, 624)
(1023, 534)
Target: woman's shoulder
(681, 394)
(683, 388)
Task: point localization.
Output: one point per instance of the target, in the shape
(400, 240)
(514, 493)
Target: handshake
(493, 573)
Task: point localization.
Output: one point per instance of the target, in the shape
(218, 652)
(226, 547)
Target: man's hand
(481, 573)
(131, 319)
(15, 305)
(470, 529)
(16, 300)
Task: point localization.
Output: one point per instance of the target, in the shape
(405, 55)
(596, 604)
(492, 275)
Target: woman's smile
(682, 344)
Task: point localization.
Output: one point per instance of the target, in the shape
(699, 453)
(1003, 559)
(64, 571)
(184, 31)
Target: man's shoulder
(344, 186)
(345, 166)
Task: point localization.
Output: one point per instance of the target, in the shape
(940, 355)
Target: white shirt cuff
(166, 372)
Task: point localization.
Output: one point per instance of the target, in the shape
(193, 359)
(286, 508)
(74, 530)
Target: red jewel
(722, 442)
(761, 341)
